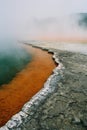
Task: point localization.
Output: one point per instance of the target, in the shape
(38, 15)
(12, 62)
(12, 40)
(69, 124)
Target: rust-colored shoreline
(26, 84)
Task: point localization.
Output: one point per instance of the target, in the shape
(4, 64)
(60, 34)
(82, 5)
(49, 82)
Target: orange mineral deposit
(26, 83)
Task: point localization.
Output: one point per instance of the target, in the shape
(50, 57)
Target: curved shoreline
(31, 107)
(66, 104)
(65, 108)
(12, 96)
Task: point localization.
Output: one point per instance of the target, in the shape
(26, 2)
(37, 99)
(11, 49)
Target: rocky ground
(65, 109)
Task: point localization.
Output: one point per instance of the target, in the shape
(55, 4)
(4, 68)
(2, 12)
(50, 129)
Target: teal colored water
(13, 58)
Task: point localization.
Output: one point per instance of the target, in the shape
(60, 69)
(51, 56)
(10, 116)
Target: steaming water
(13, 58)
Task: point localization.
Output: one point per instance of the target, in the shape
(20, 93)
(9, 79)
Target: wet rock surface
(65, 107)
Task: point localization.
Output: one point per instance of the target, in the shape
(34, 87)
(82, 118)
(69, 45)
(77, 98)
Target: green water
(12, 61)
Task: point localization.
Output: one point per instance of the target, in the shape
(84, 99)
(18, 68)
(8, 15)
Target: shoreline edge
(18, 120)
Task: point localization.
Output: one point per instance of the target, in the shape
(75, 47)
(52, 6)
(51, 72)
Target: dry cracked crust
(65, 109)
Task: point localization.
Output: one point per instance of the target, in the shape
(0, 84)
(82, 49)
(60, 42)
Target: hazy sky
(21, 18)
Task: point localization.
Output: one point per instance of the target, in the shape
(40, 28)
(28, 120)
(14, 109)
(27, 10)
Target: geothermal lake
(13, 58)
(25, 82)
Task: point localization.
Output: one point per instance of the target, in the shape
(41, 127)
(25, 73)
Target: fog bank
(65, 27)
(38, 19)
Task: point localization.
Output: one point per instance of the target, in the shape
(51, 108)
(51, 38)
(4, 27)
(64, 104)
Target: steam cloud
(73, 26)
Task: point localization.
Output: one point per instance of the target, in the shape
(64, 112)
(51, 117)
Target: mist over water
(13, 58)
(37, 20)
(48, 19)
(58, 28)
